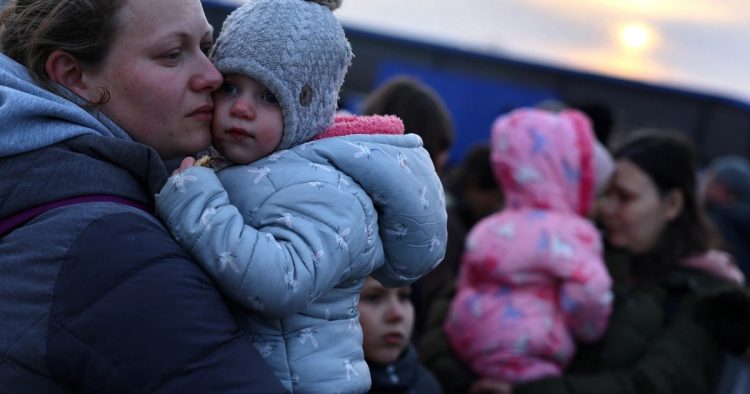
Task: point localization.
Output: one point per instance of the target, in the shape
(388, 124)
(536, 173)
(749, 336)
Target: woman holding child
(654, 343)
(96, 94)
(95, 296)
(305, 205)
(663, 264)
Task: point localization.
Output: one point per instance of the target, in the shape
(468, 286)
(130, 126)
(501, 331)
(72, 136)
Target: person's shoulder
(125, 231)
(65, 225)
(694, 280)
(122, 244)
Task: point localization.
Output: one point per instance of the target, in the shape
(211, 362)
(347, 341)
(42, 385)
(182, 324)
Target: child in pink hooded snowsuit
(532, 279)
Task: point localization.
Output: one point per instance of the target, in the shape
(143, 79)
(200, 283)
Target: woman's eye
(174, 55)
(624, 197)
(270, 98)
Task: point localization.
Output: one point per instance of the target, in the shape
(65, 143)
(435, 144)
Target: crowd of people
(179, 215)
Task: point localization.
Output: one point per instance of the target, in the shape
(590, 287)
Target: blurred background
(695, 43)
(635, 63)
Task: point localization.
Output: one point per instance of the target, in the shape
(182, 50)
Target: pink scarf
(352, 124)
(717, 263)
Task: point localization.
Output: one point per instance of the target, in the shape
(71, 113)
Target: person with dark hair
(727, 201)
(95, 295)
(387, 319)
(654, 343)
(422, 111)
(473, 190)
(659, 237)
(602, 119)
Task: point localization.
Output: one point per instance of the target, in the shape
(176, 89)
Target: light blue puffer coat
(294, 235)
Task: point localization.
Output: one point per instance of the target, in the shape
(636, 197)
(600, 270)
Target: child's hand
(184, 165)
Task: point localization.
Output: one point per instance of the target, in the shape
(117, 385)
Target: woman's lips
(203, 113)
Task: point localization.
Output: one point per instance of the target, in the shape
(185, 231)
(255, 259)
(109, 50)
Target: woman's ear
(674, 203)
(64, 69)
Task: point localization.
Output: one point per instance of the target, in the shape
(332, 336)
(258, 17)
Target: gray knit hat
(298, 50)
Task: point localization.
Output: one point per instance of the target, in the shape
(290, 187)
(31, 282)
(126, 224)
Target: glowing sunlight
(635, 36)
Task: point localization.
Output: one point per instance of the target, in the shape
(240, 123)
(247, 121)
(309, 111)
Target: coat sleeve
(400, 178)
(132, 312)
(586, 287)
(302, 243)
(680, 359)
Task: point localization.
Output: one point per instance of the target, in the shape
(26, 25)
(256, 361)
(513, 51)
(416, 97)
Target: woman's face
(633, 212)
(159, 77)
(387, 318)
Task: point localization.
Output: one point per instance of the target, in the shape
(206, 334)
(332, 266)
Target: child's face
(248, 123)
(387, 318)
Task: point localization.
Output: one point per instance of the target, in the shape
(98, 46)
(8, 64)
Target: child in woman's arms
(292, 227)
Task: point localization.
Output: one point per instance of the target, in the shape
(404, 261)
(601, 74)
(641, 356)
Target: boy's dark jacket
(406, 375)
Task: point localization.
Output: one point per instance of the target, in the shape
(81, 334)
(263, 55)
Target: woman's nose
(207, 77)
(606, 205)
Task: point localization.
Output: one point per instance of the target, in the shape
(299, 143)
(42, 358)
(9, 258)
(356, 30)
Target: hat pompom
(332, 4)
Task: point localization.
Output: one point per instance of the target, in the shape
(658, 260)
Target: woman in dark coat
(662, 259)
(95, 295)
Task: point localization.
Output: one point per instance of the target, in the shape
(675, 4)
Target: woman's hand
(184, 165)
(490, 386)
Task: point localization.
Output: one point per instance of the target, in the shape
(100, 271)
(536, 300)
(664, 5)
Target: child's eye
(370, 298)
(270, 98)
(229, 88)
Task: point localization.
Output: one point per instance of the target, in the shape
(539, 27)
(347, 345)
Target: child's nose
(395, 311)
(243, 109)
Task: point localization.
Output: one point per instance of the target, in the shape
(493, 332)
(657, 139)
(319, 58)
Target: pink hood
(544, 160)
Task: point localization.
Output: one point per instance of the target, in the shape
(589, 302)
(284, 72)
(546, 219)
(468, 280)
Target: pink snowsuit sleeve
(585, 292)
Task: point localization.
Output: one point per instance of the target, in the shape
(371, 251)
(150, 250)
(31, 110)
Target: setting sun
(636, 36)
